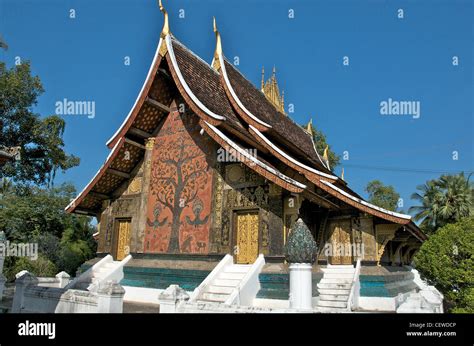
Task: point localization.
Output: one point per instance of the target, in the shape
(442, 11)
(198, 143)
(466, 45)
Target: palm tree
(457, 198)
(443, 201)
(429, 197)
(6, 186)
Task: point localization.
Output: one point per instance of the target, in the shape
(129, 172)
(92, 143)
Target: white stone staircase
(220, 289)
(99, 274)
(335, 288)
(230, 283)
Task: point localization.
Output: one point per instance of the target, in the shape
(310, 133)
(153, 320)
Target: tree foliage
(36, 215)
(40, 139)
(442, 201)
(382, 195)
(446, 260)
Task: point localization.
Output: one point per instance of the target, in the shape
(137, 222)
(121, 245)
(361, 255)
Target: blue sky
(407, 59)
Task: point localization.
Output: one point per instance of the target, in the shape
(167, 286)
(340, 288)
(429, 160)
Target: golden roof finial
(262, 85)
(309, 127)
(218, 39)
(342, 173)
(325, 154)
(216, 62)
(166, 29)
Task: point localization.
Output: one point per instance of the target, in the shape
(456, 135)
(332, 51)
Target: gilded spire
(326, 156)
(309, 126)
(271, 91)
(166, 29)
(263, 79)
(218, 51)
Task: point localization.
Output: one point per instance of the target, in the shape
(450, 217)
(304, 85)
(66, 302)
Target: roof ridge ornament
(218, 51)
(309, 126)
(326, 157)
(272, 93)
(342, 174)
(166, 28)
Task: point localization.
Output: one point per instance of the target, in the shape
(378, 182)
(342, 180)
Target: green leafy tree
(42, 266)
(40, 139)
(37, 215)
(320, 142)
(382, 195)
(34, 211)
(446, 260)
(442, 201)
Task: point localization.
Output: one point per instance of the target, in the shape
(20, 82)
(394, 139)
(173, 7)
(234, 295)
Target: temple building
(207, 164)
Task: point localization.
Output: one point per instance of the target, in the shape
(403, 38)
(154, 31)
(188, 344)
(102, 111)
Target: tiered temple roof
(236, 115)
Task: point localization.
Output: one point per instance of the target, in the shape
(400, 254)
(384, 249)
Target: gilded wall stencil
(135, 186)
(217, 205)
(179, 200)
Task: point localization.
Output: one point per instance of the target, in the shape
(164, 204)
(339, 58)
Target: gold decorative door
(341, 243)
(246, 250)
(123, 239)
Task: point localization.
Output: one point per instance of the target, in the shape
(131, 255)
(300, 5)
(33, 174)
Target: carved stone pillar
(147, 162)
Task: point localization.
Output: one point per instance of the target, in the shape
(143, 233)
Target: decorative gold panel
(247, 237)
(123, 241)
(340, 243)
(235, 173)
(135, 185)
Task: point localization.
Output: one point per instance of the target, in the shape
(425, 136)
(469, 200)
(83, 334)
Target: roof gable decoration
(272, 92)
(166, 28)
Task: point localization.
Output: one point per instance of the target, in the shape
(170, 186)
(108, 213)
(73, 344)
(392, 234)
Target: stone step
(338, 271)
(332, 304)
(237, 268)
(334, 292)
(101, 271)
(231, 276)
(333, 310)
(207, 301)
(219, 289)
(218, 297)
(334, 286)
(111, 265)
(225, 282)
(340, 266)
(331, 275)
(334, 297)
(325, 280)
